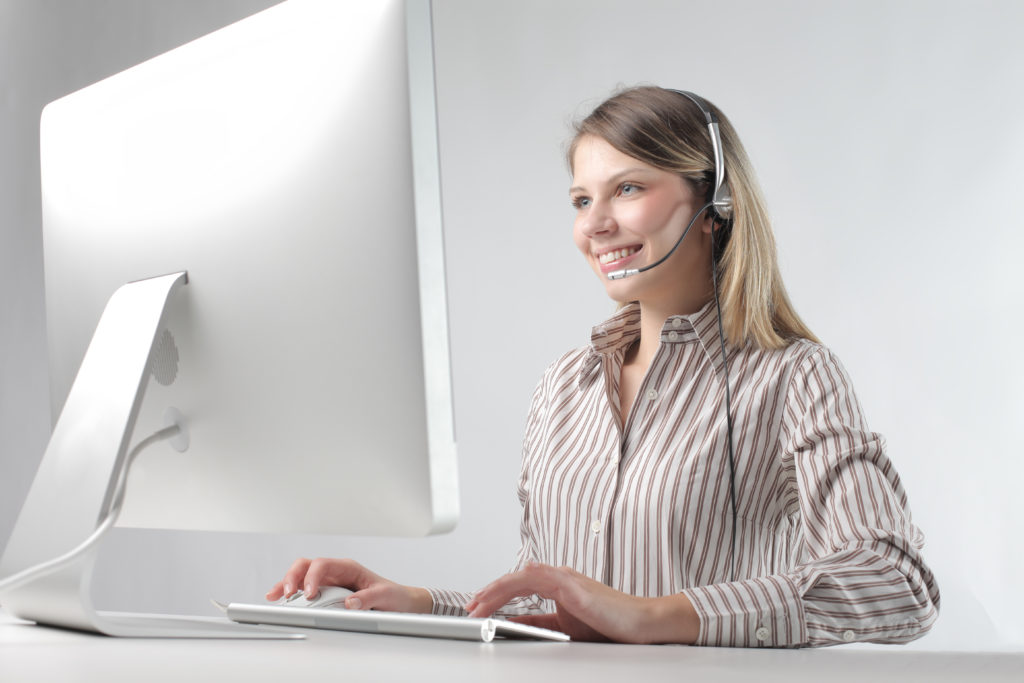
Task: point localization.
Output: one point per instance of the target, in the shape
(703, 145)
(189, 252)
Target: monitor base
(133, 625)
(74, 489)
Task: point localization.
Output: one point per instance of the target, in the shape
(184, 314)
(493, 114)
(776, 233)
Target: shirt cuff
(450, 603)
(761, 612)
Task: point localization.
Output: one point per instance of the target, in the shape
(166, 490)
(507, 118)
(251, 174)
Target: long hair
(668, 131)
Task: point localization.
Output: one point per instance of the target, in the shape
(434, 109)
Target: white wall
(888, 137)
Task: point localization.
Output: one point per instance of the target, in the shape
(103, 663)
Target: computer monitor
(284, 172)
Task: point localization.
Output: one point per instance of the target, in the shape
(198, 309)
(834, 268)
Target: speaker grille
(164, 361)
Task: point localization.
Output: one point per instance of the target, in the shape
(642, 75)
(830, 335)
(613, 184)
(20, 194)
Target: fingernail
(288, 590)
(354, 603)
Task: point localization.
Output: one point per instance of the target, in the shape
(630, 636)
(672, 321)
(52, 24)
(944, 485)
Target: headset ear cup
(723, 202)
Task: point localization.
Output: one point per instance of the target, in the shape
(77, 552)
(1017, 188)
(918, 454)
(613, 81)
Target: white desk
(30, 653)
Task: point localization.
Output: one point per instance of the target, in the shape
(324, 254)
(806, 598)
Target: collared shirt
(825, 550)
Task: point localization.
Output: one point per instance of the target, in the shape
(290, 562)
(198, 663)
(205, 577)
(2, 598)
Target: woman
(648, 515)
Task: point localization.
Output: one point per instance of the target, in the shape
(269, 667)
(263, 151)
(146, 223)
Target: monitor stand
(75, 485)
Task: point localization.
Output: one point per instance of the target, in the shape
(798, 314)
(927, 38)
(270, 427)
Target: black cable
(698, 214)
(626, 272)
(728, 408)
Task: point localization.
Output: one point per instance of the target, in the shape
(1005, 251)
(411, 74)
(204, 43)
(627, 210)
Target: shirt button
(677, 323)
(595, 526)
(651, 394)
(672, 336)
(848, 636)
(762, 633)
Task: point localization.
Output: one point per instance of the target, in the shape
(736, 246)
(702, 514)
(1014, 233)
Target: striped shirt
(825, 548)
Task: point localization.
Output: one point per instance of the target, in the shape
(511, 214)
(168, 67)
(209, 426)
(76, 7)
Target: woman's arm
(862, 576)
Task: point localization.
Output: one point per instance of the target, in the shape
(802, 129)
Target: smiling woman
(665, 131)
(641, 522)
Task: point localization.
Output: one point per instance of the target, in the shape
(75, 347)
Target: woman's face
(629, 214)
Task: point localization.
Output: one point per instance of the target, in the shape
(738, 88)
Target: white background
(888, 137)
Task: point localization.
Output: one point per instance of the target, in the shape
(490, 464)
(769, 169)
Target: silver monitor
(282, 174)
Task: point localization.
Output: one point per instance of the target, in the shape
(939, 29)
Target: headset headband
(720, 198)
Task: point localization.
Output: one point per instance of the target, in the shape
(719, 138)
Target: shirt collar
(617, 332)
(705, 326)
(622, 329)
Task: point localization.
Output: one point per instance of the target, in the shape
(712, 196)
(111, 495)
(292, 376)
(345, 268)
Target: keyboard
(392, 623)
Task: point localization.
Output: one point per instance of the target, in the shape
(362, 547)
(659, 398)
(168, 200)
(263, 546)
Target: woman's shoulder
(571, 364)
(811, 366)
(793, 365)
(801, 352)
(563, 375)
(606, 338)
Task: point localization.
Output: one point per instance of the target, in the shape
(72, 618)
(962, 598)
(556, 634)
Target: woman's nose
(598, 220)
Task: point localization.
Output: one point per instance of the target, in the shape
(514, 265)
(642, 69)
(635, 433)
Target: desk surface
(30, 653)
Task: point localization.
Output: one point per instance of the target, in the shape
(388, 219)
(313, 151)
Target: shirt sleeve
(862, 577)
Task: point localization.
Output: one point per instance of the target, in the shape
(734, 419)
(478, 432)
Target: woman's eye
(628, 189)
(580, 202)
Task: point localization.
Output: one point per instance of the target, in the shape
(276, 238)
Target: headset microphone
(619, 274)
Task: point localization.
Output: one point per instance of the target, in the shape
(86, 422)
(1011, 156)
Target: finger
(276, 591)
(294, 576)
(534, 579)
(494, 595)
(337, 572)
(315, 575)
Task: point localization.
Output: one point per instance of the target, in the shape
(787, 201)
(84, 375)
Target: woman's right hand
(369, 590)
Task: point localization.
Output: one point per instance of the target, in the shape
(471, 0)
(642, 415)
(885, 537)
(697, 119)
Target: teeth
(617, 254)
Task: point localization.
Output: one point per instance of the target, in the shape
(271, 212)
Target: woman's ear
(708, 223)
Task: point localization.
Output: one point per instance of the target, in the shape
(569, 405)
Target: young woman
(701, 472)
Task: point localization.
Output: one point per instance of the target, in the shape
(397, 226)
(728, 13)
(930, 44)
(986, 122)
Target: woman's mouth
(610, 260)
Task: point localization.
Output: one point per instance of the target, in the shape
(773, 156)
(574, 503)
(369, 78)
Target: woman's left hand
(590, 610)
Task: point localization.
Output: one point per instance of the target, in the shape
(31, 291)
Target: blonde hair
(666, 130)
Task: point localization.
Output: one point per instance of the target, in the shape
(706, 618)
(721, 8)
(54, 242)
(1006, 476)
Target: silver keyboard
(392, 623)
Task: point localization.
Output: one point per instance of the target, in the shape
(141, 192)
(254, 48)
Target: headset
(720, 207)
